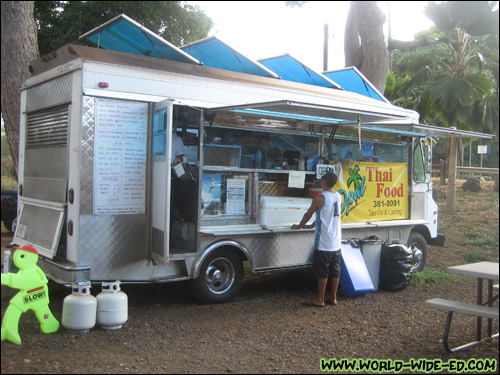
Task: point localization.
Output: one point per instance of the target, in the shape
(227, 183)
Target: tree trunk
(353, 53)
(364, 42)
(19, 49)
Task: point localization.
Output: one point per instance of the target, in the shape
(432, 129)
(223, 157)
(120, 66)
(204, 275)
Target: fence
(441, 168)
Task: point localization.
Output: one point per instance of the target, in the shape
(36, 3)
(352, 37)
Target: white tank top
(328, 232)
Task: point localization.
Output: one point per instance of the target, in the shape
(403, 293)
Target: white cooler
(283, 211)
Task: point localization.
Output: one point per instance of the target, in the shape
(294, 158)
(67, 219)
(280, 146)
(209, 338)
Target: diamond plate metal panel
(49, 189)
(283, 249)
(50, 93)
(273, 250)
(295, 248)
(418, 205)
(87, 155)
(115, 247)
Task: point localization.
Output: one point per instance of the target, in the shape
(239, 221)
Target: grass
(477, 237)
(474, 256)
(432, 276)
(494, 197)
(472, 233)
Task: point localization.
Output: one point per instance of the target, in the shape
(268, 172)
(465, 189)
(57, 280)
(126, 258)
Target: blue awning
(123, 34)
(290, 69)
(352, 80)
(214, 53)
(315, 113)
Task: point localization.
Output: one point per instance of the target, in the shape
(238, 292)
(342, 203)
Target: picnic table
(482, 271)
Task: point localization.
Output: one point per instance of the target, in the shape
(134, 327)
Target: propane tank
(79, 308)
(112, 306)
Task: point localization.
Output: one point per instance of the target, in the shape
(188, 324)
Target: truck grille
(48, 127)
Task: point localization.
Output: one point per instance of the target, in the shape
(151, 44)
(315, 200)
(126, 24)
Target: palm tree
(455, 91)
(355, 177)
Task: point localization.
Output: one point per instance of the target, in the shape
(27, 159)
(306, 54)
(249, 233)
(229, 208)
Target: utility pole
(389, 32)
(325, 49)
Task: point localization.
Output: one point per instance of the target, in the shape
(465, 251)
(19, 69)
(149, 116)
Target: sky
(262, 29)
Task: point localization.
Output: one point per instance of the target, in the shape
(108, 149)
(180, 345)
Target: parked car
(9, 208)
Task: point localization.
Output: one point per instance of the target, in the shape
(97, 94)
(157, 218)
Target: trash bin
(371, 248)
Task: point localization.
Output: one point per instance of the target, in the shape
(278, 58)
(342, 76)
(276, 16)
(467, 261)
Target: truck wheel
(220, 278)
(418, 244)
(8, 225)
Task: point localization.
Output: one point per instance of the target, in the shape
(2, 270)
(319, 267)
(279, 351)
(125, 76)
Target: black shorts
(326, 264)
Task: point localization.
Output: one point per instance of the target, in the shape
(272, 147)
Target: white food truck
(100, 201)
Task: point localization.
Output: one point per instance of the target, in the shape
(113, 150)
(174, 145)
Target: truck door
(43, 175)
(160, 199)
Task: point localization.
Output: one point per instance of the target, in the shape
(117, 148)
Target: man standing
(326, 257)
(177, 157)
(177, 148)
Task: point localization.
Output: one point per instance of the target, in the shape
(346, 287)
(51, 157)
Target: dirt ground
(265, 329)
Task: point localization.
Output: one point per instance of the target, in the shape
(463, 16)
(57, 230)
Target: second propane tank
(112, 306)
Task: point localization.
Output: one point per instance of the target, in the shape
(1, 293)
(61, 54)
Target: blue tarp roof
(214, 53)
(123, 34)
(126, 35)
(290, 69)
(352, 80)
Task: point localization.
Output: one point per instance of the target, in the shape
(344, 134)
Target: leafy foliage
(475, 17)
(62, 22)
(449, 76)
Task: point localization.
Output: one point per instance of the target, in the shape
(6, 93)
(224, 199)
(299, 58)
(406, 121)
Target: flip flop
(311, 304)
(329, 302)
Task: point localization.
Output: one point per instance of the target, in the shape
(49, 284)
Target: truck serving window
(224, 194)
(348, 150)
(259, 150)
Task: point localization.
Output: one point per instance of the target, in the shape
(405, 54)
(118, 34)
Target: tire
(416, 241)
(220, 278)
(8, 225)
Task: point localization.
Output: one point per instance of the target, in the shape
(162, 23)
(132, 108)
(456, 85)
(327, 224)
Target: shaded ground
(265, 329)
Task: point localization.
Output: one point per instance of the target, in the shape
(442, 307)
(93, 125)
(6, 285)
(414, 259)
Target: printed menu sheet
(120, 157)
(235, 196)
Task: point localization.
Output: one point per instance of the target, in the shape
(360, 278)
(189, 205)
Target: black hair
(330, 178)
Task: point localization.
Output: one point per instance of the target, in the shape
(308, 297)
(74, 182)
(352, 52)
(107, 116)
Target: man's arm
(316, 204)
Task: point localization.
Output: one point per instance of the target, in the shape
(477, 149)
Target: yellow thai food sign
(371, 191)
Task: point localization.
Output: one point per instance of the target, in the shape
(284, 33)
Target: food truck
(100, 198)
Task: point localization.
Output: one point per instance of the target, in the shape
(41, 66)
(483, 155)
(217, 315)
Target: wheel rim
(220, 276)
(417, 255)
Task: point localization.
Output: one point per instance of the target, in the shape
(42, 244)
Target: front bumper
(437, 241)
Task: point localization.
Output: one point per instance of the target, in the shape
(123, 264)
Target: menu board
(120, 157)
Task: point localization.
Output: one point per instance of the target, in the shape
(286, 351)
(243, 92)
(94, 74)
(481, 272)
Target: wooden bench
(490, 312)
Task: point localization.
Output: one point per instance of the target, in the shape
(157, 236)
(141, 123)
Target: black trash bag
(395, 267)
